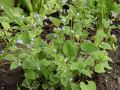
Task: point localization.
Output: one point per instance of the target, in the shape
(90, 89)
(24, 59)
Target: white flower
(59, 29)
(85, 1)
(70, 79)
(45, 17)
(63, 20)
(32, 39)
(36, 15)
(78, 14)
(55, 36)
(28, 46)
(2, 51)
(71, 68)
(66, 59)
(48, 4)
(34, 24)
(55, 50)
(1, 7)
(19, 64)
(68, 11)
(45, 23)
(72, 31)
(20, 41)
(38, 68)
(39, 20)
(111, 22)
(114, 14)
(23, 17)
(94, 22)
(64, 1)
(65, 70)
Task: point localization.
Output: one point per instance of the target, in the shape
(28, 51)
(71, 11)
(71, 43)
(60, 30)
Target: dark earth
(111, 79)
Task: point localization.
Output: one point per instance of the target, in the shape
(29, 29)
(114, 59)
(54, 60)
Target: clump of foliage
(72, 51)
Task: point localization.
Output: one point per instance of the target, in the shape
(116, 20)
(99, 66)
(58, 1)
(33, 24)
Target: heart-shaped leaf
(69, 48)
(104, 45)
(90, 86)
(30, 75)
(99, 68)
(88, 47)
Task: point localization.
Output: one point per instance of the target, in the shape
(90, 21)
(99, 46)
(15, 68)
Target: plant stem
(6, 49)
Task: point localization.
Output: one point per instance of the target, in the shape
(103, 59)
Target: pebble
(118, 80)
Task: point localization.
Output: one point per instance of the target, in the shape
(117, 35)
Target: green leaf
(106, 23)
(56, 21)
(69, 48)
(28, 5)
(30, 75)
(64, 81)
(13, 65)
(90, 86)
(25, 37)
(99, 68)
(87, 72)
(78, 29)
(104, 45)
(51, 36)
(5, 25)
(99, 37)
(83, 86)
(107, 66)
(53, 78)
(46, 71)
(9, 3)
(75, 86)
(88, 47)
(35, 84)
(90, 61)
(65, 77)
(26, 64)
(107, 58)
(26, 83)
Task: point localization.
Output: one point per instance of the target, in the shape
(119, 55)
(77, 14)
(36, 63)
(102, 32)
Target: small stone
(118, 80)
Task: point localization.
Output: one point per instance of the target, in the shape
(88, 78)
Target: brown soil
(111, 79)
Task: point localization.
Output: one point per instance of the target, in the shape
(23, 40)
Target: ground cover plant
(58, 43)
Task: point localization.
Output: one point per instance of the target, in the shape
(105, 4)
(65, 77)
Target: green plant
(72, 51)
